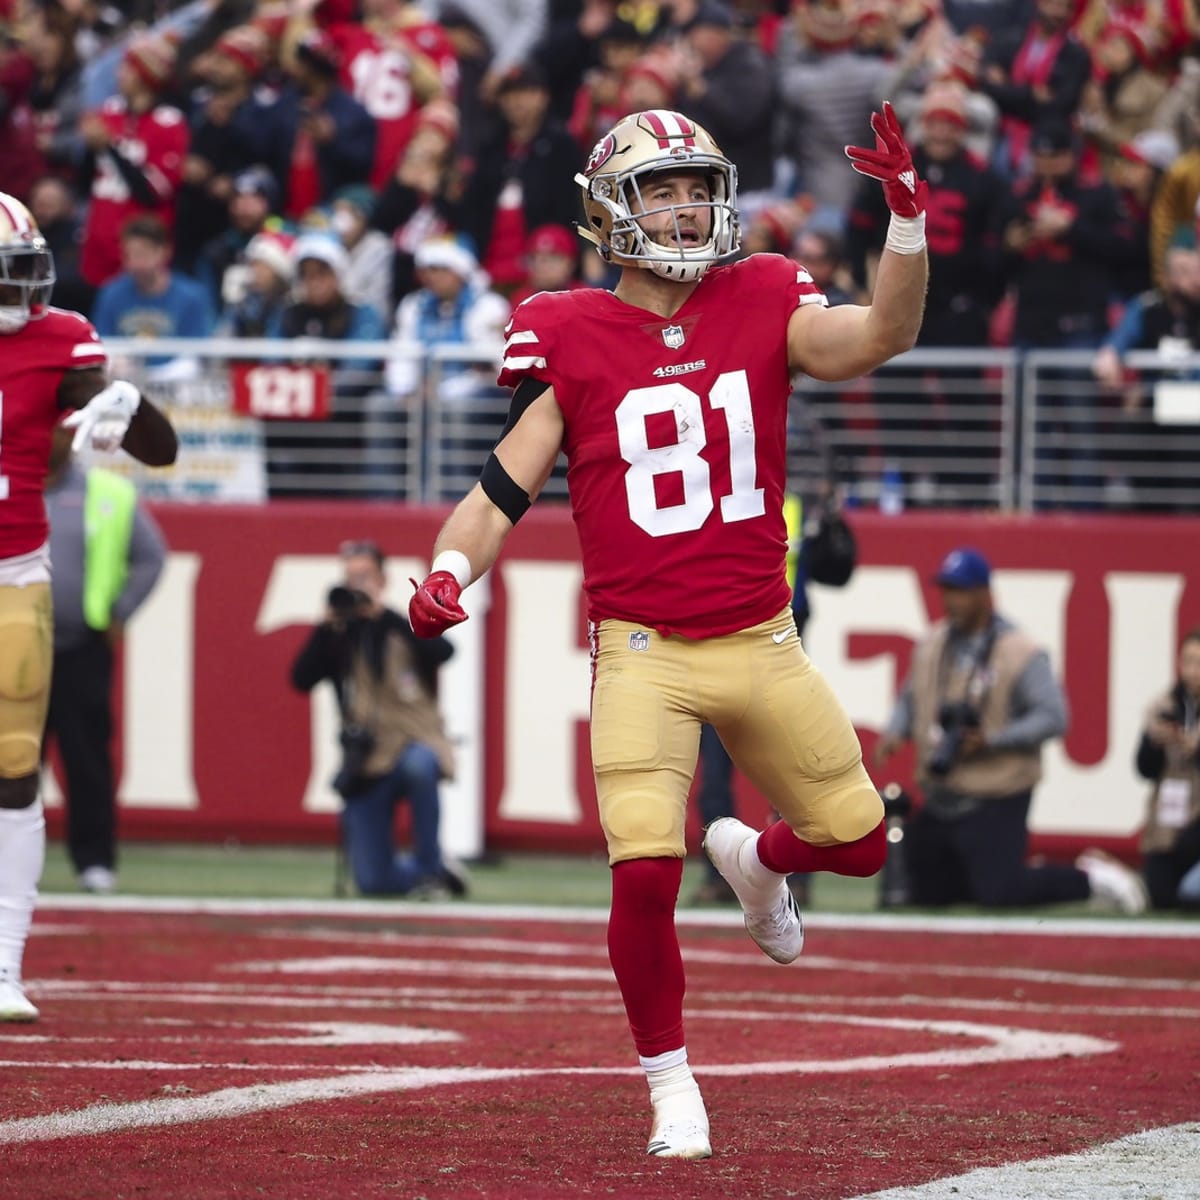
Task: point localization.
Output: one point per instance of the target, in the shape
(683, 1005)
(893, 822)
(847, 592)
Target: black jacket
(1068, 77)
(1063, 286)
(546, 174)
(328, 653)
(738, 109)
(965, 262)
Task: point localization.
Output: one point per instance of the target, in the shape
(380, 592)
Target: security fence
(987, 429)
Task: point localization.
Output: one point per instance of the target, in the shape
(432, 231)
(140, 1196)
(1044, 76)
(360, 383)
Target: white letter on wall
(159, 740)
(547, 692)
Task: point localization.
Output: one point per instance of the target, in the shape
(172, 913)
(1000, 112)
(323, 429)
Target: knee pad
(641, 819)
(849, 809)
(20, 755)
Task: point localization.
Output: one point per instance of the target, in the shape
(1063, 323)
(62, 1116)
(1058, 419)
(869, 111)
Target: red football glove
(891, 163)
(434, 607)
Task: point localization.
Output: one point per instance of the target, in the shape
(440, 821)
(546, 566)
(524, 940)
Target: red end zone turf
(416, 1052)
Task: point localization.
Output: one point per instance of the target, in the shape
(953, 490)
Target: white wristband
(457, 563)
(906, 235)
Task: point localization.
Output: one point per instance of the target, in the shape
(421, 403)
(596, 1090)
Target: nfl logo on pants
(639, 641)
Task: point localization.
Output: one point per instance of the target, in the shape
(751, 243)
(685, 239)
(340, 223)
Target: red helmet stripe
(670, 128)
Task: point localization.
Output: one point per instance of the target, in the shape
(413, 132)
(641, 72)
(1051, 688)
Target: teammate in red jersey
(669, 397)
(51, 361)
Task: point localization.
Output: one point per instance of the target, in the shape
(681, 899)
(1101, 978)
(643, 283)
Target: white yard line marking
(475, 1000)
(1000, 1045)
(347, 964)
(383, 910)
(1159, 1164)
(234, 1102)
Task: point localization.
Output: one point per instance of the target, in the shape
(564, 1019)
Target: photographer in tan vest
(979, 703)
(1169, 756)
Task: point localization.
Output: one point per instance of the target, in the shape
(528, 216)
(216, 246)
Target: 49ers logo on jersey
(602, 151)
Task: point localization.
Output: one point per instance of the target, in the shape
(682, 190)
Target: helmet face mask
(26, 267)
(617, 178)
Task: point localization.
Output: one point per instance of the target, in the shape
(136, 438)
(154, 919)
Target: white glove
(103, 422)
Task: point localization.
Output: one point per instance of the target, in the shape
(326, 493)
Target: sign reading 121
(280, 391)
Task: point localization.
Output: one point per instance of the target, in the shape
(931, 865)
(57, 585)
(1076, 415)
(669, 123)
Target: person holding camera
(1169, 756)
(394, 745)
(979, 703)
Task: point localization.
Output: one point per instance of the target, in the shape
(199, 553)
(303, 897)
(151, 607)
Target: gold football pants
(26, 656)
(781, 722)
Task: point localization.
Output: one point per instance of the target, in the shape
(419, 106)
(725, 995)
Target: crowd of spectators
(1060, 140)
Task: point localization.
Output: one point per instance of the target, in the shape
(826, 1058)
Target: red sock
(644, 951)
(779, 849)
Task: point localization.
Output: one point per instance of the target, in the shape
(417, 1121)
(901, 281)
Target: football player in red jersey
(669, 398)
(51, 361)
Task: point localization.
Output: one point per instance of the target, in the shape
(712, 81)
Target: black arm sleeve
(138, 184)
(528, 390)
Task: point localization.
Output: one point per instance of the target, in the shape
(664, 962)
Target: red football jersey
(156, 143)
(32, 364)
(676, 436)
(376, 71)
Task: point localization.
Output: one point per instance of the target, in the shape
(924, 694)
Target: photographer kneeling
(1168, 755)
(979, 703)
(393, 743)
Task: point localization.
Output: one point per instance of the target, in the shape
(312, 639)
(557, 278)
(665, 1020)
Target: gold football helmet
(26, 267)
(640, 145)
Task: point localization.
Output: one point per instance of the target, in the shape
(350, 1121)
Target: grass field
(309, 873)
(234, 870)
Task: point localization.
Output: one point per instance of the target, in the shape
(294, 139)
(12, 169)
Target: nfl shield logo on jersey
(673, 336)
(639, 640)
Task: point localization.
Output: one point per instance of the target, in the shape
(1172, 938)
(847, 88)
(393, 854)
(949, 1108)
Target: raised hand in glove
(434, 607)
(891, 163)
(103, 422)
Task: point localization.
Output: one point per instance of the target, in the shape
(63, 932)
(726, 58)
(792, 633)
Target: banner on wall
(215, 744)
(222, 460)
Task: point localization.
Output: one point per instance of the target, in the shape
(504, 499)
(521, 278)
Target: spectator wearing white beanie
(453, 305)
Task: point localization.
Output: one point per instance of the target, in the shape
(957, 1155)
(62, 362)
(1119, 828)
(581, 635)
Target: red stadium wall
(214, 744)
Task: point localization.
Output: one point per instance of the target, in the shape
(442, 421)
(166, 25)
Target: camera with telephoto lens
(955, 718)
(357, 742)
(345, 602)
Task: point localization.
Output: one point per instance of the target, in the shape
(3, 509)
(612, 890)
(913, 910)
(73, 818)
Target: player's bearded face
(677, 209)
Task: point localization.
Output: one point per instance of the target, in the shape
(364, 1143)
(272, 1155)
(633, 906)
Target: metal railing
(931, 429)
(937, 427)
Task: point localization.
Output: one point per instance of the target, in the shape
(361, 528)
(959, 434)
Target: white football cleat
(14, 1004)
(1112, 882)
(100, 880)
(771, 915)
(680, 1127)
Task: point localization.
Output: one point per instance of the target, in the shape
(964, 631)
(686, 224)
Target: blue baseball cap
(964, 568)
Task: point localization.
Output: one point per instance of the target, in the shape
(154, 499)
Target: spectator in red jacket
(133, 162)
